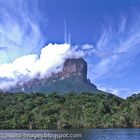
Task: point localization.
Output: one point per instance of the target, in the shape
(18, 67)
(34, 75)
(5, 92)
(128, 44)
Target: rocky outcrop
(73, 77)
(76, 68)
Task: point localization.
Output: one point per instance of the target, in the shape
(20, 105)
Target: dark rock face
(72, 78)
(76, 68)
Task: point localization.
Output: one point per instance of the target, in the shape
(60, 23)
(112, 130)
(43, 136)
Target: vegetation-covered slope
(55, 111)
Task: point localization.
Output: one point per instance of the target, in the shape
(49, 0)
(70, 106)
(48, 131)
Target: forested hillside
(56, 111)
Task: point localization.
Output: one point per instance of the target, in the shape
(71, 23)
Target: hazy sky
(109, 28)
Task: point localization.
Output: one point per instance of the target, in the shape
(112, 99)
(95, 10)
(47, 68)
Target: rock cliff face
(73, 78)
(76, 68)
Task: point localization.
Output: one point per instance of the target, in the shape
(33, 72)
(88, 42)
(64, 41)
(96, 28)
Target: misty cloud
(40, 66)
(116, 49)
(20, 32)
(50, 61)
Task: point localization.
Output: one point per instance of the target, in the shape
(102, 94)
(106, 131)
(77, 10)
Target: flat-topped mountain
(72, 78)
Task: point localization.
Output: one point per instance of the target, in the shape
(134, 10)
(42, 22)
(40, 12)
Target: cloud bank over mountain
(32, 66)
(25, 51)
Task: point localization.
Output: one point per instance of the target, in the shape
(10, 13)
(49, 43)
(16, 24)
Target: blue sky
(112, 27)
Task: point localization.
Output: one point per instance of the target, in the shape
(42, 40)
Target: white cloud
(87, 46)
(27, 67)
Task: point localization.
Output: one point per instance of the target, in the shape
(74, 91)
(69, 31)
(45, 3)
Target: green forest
(68, 111)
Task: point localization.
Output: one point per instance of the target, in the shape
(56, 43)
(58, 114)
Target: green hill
(57, 111)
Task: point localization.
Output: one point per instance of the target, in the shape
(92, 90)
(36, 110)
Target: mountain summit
(72, 78)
